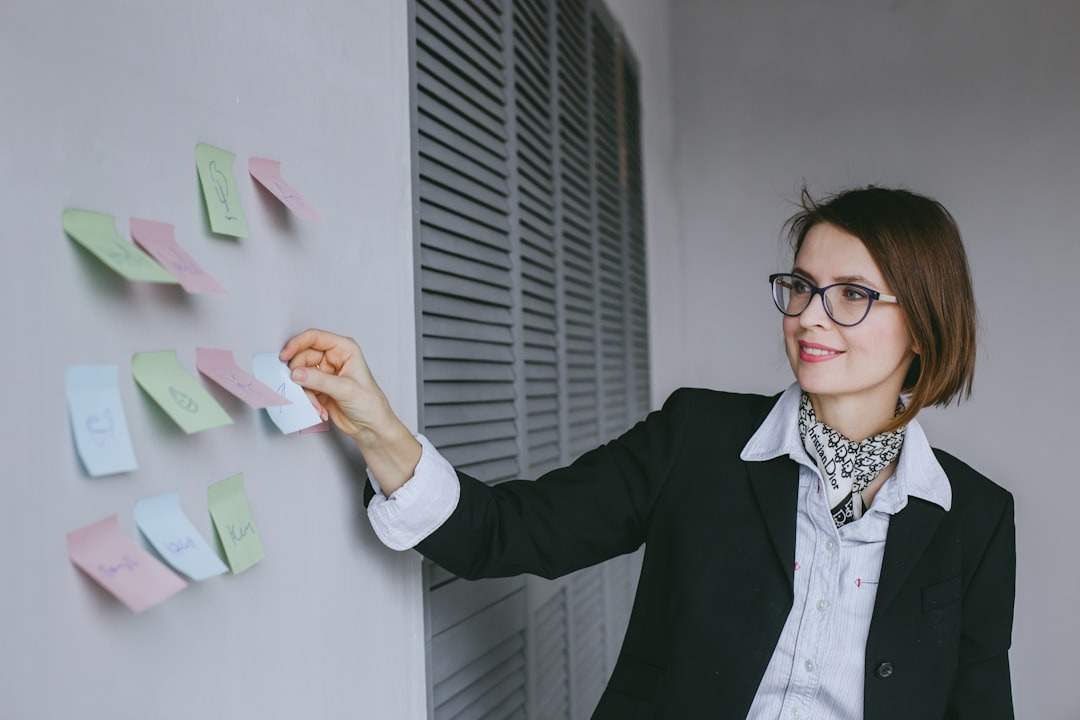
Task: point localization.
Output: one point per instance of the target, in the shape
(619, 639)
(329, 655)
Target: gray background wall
(971, 101)
(102, 105)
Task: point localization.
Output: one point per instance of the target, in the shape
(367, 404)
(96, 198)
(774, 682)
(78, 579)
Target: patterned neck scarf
(847, 467)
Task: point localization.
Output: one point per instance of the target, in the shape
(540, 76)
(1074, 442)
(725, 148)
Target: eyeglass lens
(845, 304)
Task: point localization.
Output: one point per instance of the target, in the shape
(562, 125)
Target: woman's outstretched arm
(332, 370)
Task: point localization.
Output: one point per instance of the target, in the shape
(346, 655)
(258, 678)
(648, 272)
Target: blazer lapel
(910, 531)
(776, 488)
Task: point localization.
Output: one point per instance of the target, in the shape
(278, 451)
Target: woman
(807, 555)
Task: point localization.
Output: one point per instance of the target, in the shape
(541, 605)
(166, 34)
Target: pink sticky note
(268, 173)
(120, 566)
(221, 367)
(158, 240)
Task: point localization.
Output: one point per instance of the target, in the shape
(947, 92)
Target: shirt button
(884, 670)
(809, 666)
(831, 545)
(796, 712)
(822, 604)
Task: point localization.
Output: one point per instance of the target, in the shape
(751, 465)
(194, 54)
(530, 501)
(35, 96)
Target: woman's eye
(800, 287)
(854, 294)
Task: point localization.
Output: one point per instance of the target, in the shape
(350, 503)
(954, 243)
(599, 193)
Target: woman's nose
(815, 313)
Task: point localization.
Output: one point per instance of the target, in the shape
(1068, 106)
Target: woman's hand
(332, 370)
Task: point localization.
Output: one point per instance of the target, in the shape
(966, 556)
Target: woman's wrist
(391, 453)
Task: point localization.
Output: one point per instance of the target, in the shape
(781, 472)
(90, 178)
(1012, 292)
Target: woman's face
(866, 363)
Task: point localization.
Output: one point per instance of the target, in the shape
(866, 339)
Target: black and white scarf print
(847, 467)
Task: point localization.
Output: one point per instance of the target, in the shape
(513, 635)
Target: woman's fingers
(316, 339)
(318, 381)
(309, 358)
(332, 370)
(328, 352)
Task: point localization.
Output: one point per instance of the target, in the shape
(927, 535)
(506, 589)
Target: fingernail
(299, 374)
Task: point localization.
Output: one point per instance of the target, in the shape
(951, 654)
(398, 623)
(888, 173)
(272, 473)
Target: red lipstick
(815, 353)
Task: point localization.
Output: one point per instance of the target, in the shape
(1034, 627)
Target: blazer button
(884, 670)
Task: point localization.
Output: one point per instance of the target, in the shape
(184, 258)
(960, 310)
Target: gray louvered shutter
(575, 204)
(531, 305)
(467, 338)
(536, 230)
(551, 657)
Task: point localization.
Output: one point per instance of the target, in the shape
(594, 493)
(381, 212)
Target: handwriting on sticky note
(159, 240)
(120, 566)
(221, 367)
(97, 419)
(268, 173)
(238, 533)
(176, 392)
(300, 413)
(179, 546)
(126, 563)
(97, 233)
(233, 521)
(220, 193)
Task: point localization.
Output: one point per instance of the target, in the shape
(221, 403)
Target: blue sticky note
(289, 418)
(97, 419)
(164, 524)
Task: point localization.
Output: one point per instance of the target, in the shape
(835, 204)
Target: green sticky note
(220, 191)
(97, 233)
(235, 527)
(178, 393)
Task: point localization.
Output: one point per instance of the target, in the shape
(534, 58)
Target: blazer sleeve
(982, 687)
(592, 510)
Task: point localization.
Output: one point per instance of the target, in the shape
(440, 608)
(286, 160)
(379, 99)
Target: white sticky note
(97, 419)
(269, 370)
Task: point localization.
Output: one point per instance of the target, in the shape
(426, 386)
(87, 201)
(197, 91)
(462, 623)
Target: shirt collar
(918, 473)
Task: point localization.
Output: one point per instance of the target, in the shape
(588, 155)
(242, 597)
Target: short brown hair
(915, 242)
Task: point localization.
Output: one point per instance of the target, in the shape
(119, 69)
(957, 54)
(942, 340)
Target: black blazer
(716, 582)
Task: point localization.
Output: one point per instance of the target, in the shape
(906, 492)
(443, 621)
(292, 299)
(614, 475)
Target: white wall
(973, 102)
(102, 105)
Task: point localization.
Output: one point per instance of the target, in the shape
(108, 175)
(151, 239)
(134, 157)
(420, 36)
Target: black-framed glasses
(846, 304)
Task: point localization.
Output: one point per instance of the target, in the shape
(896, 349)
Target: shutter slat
(457, 224)
(451, 435)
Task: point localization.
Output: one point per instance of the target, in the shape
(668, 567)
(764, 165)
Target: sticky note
(97, 233)
(120, 566)
(268, 173)
(178, 393)
(234, 524)
(164, 524)
(289, 418)
(219, 190)
(221, 367)
(97, 419)
(159, 240)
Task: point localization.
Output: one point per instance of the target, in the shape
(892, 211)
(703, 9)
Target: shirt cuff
(420, 506)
